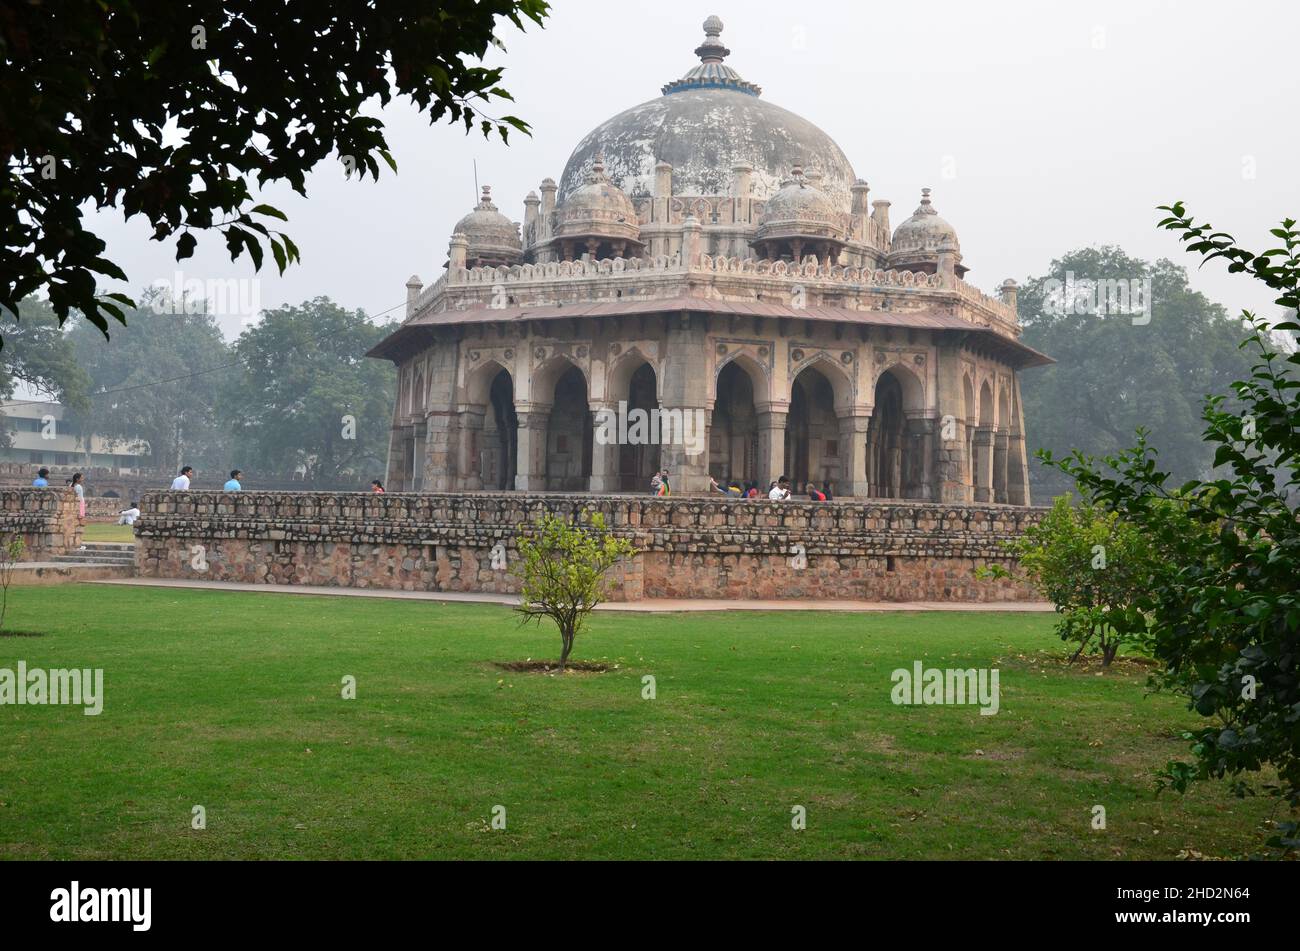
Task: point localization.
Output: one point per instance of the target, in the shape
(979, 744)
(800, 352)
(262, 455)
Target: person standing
(42, 480)
(232, 484)
(182, 482)
(80, 491)
(376, 487)
(780, 490)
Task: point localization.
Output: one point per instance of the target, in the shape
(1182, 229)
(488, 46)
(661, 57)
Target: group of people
(76, 483)
(778, 490)
(182, 482)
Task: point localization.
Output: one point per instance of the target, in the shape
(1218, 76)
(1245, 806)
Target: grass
(233, 701)
(108, 532)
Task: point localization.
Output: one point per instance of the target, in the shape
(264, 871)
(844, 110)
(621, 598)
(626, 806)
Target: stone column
(950, 452)
(530, 471)
(1000, 467)
(771, 445)
(853, 440)
(921, 439)
(687, 389)
(604, 455)
(983, 464)
(470, 463)
(1017, 458)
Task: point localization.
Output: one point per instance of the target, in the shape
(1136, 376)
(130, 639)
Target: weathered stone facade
(753, 287)
(690, 547)
(45, 519)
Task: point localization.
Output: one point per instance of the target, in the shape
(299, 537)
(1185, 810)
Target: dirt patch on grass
(22, 633)
(552, 667)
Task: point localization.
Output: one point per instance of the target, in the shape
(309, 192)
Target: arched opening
(500, 435)
(733, 435)
(638, 455)
(983, 452)
(895, 463)
(812, 451)
(569, 435)
(886, 440)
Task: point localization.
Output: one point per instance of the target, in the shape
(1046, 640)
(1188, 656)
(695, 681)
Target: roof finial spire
(711, 73)
(712, 50)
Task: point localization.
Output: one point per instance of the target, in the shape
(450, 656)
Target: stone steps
(99, 553)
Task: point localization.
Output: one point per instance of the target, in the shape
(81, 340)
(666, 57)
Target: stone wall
(46, 519)
(690, 547)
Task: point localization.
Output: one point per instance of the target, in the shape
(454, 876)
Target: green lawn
(108, 532)
(232, 701)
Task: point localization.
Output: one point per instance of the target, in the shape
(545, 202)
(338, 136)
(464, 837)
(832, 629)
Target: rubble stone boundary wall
(691, 547)
(46, 519)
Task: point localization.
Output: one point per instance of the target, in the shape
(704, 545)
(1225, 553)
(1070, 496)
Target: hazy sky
(1041, 127)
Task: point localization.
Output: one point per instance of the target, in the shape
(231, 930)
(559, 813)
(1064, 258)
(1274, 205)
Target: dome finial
(712, 50)
(926, 207)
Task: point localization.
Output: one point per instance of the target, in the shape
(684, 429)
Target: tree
(305, 393)
(1114, 374)
(158, 383)
(1226, 621)
(1095, 568)
(170, 110)
(562, 567)
(11, 553)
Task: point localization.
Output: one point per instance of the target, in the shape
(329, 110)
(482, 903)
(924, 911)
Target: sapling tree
(562, 567)
(11, 553)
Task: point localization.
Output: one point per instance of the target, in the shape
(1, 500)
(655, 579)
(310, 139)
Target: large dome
(704, 125)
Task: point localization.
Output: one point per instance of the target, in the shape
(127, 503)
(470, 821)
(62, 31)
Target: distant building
(37, 437)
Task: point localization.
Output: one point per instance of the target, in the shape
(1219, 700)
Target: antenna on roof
(476, 181)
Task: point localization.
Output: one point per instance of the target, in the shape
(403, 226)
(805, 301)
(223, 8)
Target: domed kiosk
(711, 260)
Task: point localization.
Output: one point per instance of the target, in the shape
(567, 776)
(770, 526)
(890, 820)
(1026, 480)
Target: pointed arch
(752, 368)
(909, 381)
(478, 383)
(835, 374)
(547, 375)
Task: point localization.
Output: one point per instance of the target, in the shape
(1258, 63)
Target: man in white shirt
(780, 491)
(182, 482)
(128, 516)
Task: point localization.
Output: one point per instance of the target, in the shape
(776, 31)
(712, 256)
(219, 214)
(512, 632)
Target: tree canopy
(1114, 374)
(173, 110)
(306, 395)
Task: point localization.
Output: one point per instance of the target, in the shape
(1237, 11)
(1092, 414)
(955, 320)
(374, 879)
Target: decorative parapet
(994, 307)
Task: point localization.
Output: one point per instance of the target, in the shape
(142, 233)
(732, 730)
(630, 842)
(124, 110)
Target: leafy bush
(1094, 567)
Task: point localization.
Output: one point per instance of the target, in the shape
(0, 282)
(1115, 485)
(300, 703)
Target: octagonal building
(709, 261)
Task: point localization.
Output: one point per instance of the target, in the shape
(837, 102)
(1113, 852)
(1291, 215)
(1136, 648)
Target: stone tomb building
(715, 257)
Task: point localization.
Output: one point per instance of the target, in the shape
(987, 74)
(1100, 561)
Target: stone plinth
(689, 547)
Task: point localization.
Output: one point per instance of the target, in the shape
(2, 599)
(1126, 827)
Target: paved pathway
(650, 605)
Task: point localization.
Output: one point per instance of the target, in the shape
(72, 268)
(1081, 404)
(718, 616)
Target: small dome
(801, 210)
(493, 238)
(918, 239)
(598, 209)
